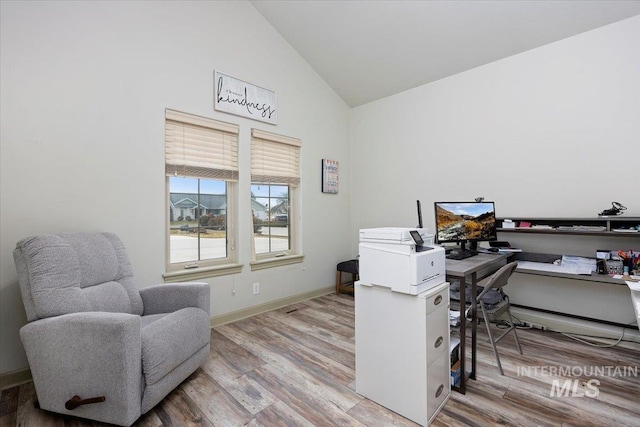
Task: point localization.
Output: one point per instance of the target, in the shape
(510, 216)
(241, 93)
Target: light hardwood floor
(295, 366)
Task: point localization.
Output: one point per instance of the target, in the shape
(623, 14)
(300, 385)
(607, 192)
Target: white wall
(84, 87)
(554, 131)
(546, 117)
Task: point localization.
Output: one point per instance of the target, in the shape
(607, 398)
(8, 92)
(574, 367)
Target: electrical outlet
(537, 326)
(256, 288)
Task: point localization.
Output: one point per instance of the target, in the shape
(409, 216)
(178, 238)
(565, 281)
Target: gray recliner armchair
(99, 347)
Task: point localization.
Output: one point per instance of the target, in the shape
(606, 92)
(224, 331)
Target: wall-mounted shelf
(594, 297)
(549, 258)
(600, 226)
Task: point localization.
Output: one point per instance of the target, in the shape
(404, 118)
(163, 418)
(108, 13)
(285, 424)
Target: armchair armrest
(87, 354)
(170, 297)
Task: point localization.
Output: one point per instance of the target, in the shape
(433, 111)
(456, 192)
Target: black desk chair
(499, 279)
(350, 266)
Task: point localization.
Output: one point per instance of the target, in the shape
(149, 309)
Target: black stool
(350, 266)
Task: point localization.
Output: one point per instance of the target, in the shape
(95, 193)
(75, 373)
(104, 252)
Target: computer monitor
(463, 222)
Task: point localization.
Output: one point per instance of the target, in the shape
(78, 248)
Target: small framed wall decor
(330, 176)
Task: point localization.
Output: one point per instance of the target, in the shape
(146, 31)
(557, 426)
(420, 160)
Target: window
(197, 220)
(275, 179)
(201, 163)
(270, 208)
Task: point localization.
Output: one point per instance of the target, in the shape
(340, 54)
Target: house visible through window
(275, 179)
(202, 172)
(198, 219)
(270, 206)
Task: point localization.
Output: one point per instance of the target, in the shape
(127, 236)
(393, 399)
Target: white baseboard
(268, 306)
(559, 323)
(14, 378)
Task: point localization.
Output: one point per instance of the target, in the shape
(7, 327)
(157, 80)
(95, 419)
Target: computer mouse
(494, 250)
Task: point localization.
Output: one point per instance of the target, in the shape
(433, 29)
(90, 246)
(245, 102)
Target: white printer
(403, 259)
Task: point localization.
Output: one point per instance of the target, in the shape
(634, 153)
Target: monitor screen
(465, 221)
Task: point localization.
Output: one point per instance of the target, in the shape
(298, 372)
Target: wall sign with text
(330, 176)
(244, 99)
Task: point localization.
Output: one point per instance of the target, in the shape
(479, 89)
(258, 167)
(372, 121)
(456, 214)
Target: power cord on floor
(575, 337)
(519, 324)
(580, 338)
(592, 344)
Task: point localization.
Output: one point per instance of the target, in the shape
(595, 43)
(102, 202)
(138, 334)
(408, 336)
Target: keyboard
(458, 255)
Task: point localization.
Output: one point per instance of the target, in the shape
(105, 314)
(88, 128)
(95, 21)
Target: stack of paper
(454, 317)
(569, 265)
(578, 265)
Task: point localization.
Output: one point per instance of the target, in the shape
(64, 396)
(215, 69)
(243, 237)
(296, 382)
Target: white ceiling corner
(370, 49)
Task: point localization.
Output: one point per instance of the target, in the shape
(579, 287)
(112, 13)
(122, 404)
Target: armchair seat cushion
(150, 318)
(171, 339)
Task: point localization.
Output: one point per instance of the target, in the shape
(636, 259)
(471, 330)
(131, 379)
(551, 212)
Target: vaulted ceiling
(367, 50)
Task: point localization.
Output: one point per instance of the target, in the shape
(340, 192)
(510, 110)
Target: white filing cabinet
(402, 349)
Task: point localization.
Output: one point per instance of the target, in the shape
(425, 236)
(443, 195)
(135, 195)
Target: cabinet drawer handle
(439, 342)
(440, 390)
(438, 300)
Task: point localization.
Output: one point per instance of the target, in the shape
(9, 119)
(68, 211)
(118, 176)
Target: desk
(478, 267)
(580, 289)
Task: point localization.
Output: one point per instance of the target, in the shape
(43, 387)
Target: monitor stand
(463, 252)
(473, 245)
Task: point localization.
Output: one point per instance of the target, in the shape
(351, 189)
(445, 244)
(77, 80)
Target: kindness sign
(244, 99)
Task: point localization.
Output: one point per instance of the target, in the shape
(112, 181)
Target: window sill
(276, 262)
(201, 273)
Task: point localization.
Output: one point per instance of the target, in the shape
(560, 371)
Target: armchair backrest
(70, 273)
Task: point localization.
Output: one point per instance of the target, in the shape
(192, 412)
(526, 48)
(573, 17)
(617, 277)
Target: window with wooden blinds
(201, 166)
(275, 182)
(275, 158)
(200, 147)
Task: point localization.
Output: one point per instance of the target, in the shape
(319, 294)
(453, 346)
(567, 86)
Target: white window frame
(205, 165)
(283, 169)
